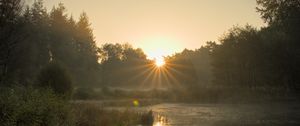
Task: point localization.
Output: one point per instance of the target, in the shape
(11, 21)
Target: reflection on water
(225, 114)
(160, 120)
(158, 124)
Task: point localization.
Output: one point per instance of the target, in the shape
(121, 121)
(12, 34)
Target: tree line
(32, 38)
(38, 46)
(261, 59)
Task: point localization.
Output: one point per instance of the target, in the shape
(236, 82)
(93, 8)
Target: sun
(159, 61)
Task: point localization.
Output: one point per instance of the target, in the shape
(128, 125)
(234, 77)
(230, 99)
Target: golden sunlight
(159, 61)
(158, 124)
(156, 47)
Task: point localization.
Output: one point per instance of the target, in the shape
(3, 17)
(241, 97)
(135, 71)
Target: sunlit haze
(162, 27)
(159, 61)
(150, 62)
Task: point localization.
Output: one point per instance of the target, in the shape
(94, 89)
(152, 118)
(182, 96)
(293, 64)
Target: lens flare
(136, 103)
(159, 61)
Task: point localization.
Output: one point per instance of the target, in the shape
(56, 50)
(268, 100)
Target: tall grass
(41, 107)
(32, 107)
(95, 115)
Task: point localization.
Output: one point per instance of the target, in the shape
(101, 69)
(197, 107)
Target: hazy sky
(162, 26)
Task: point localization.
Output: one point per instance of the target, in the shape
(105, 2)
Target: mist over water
(53, 72)
(182, 114)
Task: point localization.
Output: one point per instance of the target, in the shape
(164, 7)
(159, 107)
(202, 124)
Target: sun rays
(156, 74)
(159, 61)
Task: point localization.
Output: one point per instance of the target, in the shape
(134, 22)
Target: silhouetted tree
(181, 67)
(87, 56)
(110, 56)
(32, 52)
(283, 17)
(122, 65)
(10, 12)
(54, 36)
(280, 12)
(263, 59)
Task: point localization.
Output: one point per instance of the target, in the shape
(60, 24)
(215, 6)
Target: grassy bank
(89, 114)
(36, 107)
(119, 97)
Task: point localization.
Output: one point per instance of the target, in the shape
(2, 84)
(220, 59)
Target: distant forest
(39, 47)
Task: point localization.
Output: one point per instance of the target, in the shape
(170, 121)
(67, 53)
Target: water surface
(226, 114)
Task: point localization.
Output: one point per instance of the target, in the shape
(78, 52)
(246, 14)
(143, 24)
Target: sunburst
(159, 61)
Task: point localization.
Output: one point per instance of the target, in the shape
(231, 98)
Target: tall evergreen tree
(10, 23)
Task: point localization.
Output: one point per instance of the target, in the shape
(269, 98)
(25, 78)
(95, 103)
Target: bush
(55, 77)
(32, 107)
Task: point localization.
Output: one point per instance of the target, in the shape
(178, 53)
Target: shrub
(55, 77)
(32, 107)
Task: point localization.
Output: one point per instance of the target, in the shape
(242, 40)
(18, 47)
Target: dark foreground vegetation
(48, 59)
(32, 107)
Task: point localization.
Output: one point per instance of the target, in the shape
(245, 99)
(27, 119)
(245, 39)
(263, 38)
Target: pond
(183, 114)
(225, 114)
